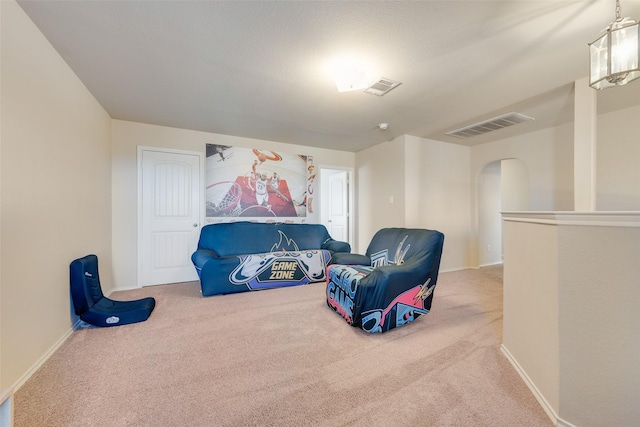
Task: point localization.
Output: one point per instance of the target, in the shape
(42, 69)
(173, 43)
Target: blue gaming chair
(93, 307)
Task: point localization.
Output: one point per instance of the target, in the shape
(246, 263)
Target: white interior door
(338, 221)
(170, 216)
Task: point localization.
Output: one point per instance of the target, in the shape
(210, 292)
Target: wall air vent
(495, 123)
(382, 86)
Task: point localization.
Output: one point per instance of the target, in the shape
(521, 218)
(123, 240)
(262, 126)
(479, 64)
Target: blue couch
(248, 256)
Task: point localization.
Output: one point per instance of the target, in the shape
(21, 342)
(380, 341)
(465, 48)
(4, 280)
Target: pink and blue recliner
(392, 284)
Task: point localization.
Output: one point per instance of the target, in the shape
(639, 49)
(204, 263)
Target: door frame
(201, 165)
(350, 198)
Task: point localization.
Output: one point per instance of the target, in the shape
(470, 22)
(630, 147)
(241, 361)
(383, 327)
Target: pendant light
(614, 56)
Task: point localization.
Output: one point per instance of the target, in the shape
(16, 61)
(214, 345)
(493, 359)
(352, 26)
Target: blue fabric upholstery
(394, 287)
(93, 307)
(246, 256)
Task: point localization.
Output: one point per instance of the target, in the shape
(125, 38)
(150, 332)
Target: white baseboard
(538, 395)
(122, 288)
(449, 270)
(23, 379)
(563, 423)
(491, 263)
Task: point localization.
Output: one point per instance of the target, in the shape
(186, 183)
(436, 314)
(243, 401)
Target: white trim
(140, 150)
(563, 423)
(123, 288)
(452, 269)
(490, 264)
(201, 160)
(536, 393)
(449, 270)
(593, 219)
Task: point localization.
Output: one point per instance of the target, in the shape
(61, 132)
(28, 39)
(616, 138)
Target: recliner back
(395, 246)
(85, 283)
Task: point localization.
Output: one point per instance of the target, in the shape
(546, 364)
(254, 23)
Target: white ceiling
(258, 69)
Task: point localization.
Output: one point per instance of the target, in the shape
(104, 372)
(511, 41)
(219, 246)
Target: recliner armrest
(350, 259)
(336, 246)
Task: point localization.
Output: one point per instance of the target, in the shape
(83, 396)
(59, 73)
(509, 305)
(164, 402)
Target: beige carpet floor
(283, 358)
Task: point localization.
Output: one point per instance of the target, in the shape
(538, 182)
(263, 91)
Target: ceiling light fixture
(352, 74)
(383, 126)
(615, 55)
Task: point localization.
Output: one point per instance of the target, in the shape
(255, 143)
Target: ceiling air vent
(382, 86)
(495, 123)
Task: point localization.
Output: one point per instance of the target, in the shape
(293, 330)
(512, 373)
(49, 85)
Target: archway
(503, 185)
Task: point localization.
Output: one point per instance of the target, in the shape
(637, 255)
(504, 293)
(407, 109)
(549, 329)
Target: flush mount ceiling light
(352, 74)
(614, 56)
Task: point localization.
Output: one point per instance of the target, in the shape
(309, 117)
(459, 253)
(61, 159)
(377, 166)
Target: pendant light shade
(615, 55)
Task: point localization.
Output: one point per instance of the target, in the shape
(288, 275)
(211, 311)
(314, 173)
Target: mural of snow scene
(261, 185)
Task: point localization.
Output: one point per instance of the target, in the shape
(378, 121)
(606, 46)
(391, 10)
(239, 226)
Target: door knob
(195, 224)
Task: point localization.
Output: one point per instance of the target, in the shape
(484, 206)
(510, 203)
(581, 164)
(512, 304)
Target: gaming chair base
(107, 312)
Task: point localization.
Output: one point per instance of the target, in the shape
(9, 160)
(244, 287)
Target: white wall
(441, 177)
(416, 183)
(380, 190)
(548, 158)
(489, 218)
(530, 323)
(571, 303)
(514, 185)
(503, 185)
(127, 136)
(598, 324)
(617, 170)
(55, 186)
(548, 155)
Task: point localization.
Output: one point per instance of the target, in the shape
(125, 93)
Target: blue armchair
(392, 284)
